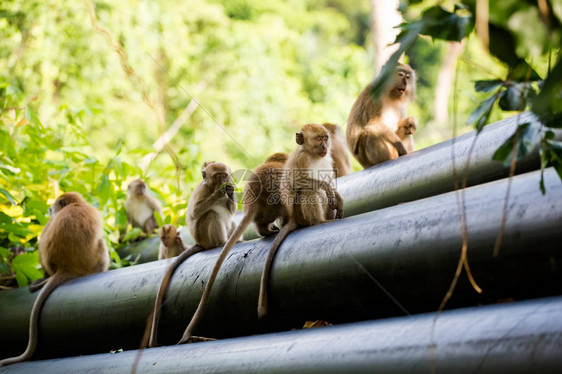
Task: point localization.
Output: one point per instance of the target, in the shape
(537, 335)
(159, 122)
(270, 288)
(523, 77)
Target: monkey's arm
(335, 199)
(154, 204)
(204, 205)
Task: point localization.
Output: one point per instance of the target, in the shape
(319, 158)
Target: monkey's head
(404, 87)
(137, 187)
(64, 200)
(281, 157)
(216, 175)
(168, 234)
(315, 139)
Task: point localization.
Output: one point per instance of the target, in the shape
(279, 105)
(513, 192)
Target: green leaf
(479, 117)
(529, 139)
(487, 85)
(441, 24)
(26, 268)
(547, 105)
(8, 196)
(134, 233)
(104, 189)
(516, 96)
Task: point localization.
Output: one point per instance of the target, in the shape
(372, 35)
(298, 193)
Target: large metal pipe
(357, 268)
(523, 337)
(421, 174)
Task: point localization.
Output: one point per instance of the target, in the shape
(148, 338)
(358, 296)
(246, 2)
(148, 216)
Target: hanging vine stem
(128, 69)
(461, 207)
(512, 166)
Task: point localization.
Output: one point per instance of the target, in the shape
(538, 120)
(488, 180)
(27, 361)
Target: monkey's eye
(319, 137)
(400, 74)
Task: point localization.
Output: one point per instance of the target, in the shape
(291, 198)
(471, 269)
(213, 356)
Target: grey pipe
(421, 174)
(524, 337)
(341, 271)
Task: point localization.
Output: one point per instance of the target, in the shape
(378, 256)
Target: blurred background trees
(74, 118)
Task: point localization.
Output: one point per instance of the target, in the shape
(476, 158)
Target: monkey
(171, 244)
(306, 193)
(209, 216)
(140, 207)
(339, 152)
(262, 205)
(379, 130)
(71, 245)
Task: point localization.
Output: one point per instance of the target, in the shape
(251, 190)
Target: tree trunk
(384, 17)
(445, 81)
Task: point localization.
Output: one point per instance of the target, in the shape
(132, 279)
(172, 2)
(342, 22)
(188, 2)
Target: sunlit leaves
(25, 267)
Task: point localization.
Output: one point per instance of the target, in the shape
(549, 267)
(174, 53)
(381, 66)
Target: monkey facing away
(171, 244)
(141, 205)
(71, 245)
(379, 130)
(209, 216)
(262, 205)
(339, 152)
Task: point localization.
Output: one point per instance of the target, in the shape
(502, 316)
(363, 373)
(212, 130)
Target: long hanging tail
(248, 218)
(53, 282)
(154, 319)
(262, 300)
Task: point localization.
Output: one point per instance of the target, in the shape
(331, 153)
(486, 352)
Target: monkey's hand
(409, 125)
(339, 205)
(229, 191)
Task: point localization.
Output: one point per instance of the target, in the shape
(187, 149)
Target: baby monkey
(71, 245)
(379, 130)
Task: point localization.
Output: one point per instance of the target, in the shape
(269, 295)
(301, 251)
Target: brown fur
(71, 246)
(171, 244)
(140, 207)
(379, 130)
(209, 218)
(306, 193)
(262, 205)
(339, 151)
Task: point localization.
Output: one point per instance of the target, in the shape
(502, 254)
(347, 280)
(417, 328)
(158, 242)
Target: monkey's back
(71, 243)
(262, 192)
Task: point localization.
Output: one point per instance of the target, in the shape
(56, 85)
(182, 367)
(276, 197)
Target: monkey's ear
(204, 174)
(300, 138)
(62, 203)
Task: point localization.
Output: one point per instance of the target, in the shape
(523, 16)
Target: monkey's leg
(150, 225)
(379, 146)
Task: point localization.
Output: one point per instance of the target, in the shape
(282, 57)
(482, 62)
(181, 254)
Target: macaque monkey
(171, 244)
(71, 245)
(339, 152)
(379, 130)
(140, 207)
(209, 216)
(306, 192)
(262, 205)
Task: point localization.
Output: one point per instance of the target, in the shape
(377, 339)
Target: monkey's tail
(248, 218)
(154, 318)
(53, 282)
(262, 300)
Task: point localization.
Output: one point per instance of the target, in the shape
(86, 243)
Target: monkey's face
(137, 187)
(315, 138)
(404, 84)
(217, 175)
